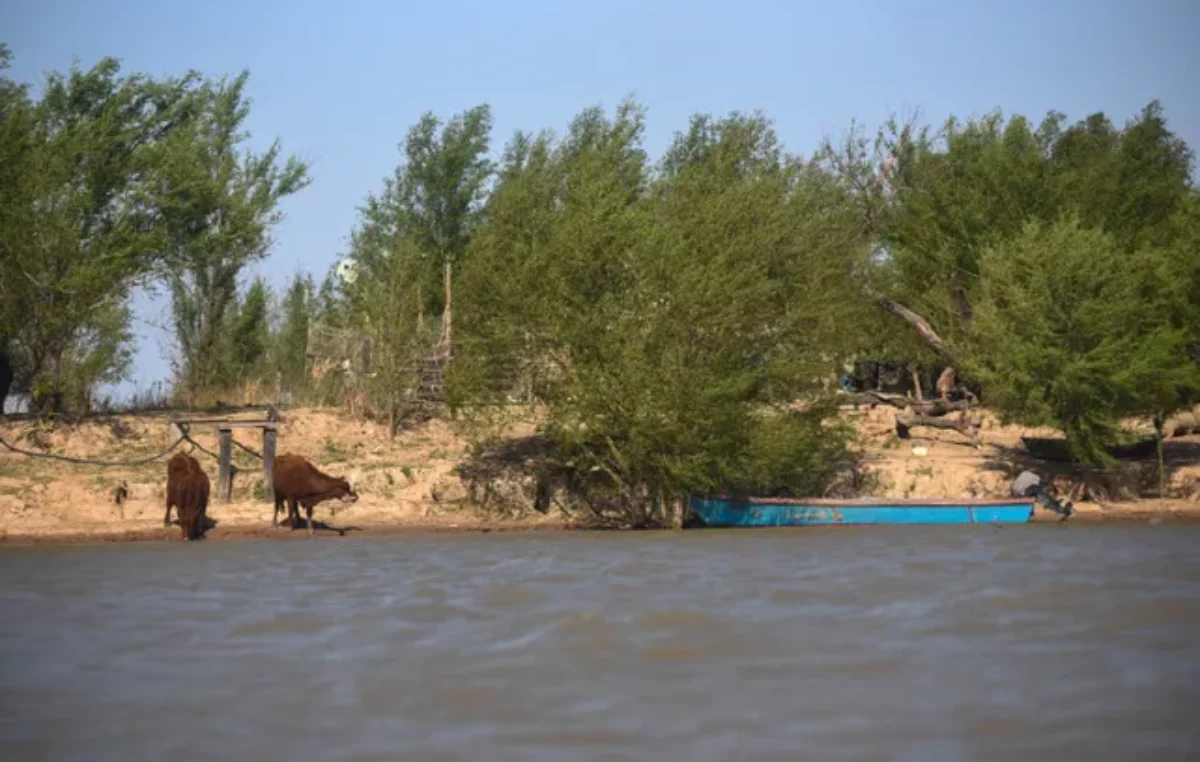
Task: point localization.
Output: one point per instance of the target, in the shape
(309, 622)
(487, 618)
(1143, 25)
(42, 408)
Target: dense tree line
(109, 182)
(672, 312)
(679, 319)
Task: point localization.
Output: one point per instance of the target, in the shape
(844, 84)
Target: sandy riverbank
(1156, 513)
(410, 484)
(324, 530)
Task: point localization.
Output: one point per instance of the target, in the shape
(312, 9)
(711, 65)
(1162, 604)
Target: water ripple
(1037, 643)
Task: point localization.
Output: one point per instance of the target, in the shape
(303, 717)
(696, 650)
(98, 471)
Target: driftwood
(920, 324)
(880, 398)
(909, 419)
(937, 407)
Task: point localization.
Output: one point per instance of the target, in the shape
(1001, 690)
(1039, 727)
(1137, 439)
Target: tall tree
(1072, 331)
(671, 314)
(76, 230)
(290, 343)
(218, 206)
(250, 333)
(433, 200)
(933, 201)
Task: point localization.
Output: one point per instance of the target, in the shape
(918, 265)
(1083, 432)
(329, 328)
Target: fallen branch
(936, 407)
(880, 398)
(908, 419)
(928, 335)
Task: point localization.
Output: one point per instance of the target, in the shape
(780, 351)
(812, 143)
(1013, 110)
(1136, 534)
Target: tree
(390, 305)
(218, 207)
(290, 342)
(932, 201)
(76, 233)
(1073, 332)
(250, 334)
(433, 201)
(675, 313)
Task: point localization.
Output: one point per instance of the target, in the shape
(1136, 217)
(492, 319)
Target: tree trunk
(420, 309)
(935, 407)
(1159, 420)
(6, 374)
(392, 423)
(928, 335)
(448, 314)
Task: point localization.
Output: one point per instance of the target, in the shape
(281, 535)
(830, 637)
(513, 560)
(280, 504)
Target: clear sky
(340, 83)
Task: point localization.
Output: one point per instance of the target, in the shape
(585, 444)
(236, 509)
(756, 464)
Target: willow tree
(675, 311)
(937, 204)
(289, 346)
(218, 205)
(1073, 332)
(77, 228)
(429, 207)
(934, 200)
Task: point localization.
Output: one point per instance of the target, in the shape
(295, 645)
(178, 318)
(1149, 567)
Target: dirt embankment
(410, 484)
(937, 463)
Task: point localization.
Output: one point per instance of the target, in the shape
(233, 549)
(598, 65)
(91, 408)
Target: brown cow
(187, 490)
(299, 482)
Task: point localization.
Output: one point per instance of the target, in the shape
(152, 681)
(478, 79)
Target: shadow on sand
(318, 526)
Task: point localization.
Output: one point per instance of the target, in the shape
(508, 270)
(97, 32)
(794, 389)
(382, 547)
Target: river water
(909, 643)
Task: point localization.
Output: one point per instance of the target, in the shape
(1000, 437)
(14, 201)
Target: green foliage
(408, 238)
(1073, 332)
(290, 341)
(250, 333)
(669, 315)
(666, 316)
(437, 194)
(432, 202)
(976, 185)
(389, 306)
(75, 232)
(937, 205)
(217, 207)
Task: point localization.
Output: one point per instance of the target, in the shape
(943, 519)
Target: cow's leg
(308, 509)
(275, 514)
(293, 514)
(167, 515)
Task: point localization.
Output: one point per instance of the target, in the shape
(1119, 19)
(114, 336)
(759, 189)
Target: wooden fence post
(225, 466)
(268, 457)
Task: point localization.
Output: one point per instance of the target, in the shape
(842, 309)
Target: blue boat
(790, 512)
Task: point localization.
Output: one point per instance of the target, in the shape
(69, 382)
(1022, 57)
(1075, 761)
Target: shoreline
(283, 533)
(1118, 513)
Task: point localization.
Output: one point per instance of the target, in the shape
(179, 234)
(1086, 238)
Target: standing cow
(187, 490)
(300, 483)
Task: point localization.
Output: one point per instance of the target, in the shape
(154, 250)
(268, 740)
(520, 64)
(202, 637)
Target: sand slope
(410, 482)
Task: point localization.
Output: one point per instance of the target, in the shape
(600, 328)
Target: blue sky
(340, 83)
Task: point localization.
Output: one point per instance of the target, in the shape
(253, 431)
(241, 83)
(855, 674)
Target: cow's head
(345, 494)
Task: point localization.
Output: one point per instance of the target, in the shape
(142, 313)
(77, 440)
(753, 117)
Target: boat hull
(732, 512)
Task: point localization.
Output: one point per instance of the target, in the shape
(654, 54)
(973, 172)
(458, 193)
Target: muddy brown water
(910, 643)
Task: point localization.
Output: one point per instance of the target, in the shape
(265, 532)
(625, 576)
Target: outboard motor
(1029, 484)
